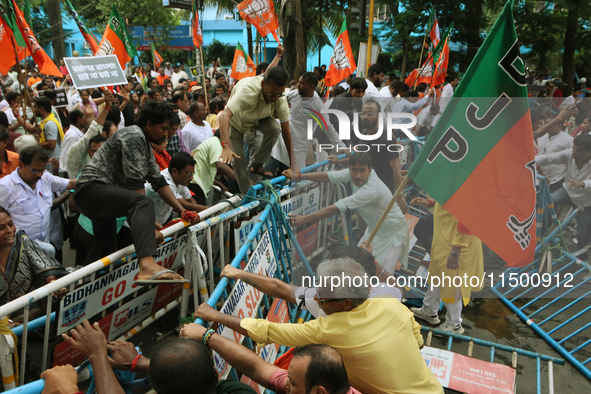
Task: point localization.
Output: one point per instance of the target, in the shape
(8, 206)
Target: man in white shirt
(197, 130)
(448, 91)
(167, 70)
(554, 141)
(410, 103)
(392, 90)
(177, 75)
(576, 189)
(27, 195)
(573, 98)
(375, 78)
(426, 120)
(78, 122)
(179, 173)
(301, 101)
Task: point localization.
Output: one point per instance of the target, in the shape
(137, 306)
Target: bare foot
(149, 268)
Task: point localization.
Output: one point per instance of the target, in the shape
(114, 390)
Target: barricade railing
(494, 348)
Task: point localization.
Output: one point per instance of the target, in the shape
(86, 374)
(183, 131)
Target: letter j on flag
(478, 162)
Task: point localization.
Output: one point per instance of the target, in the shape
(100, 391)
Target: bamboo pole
(369, 34)
(395, 197)
(203, 70)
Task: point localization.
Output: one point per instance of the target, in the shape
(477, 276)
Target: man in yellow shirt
(252, 107)
(377, 338)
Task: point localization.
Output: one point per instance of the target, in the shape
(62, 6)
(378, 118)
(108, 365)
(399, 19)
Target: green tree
(217, 50)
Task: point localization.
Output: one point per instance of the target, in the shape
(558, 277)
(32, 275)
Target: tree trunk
(249, 39)
(54, 16)
(473, 30)
(405, 47)
(568, 58)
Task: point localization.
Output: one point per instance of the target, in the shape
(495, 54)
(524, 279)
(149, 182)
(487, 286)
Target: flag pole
(421, 70)
(369, 34)
(395, 197)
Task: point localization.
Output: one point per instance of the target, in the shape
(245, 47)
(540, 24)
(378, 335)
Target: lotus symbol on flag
(521, 229)
(105, 49)
(241, 65)
(257, 9)
(339, 56)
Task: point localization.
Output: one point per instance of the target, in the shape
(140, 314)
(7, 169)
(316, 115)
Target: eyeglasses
(35, 172)
(273, 95)
(323, 301)
(364, 113)
(189, 175)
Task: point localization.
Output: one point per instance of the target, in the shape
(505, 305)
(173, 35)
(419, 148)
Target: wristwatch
(455, 254)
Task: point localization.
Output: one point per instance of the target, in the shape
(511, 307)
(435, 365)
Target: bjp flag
(260, 14)
(117, 40)
(242, 66)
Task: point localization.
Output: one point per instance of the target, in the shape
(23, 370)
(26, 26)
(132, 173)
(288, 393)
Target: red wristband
(224, 144)
(134, 363)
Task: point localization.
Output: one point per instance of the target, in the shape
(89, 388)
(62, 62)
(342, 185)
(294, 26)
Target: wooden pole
(21, 76)
(397, 194)
(369, 34)
(421, 70)
(422, 49)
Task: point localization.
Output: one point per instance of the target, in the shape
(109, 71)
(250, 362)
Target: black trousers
(102, 204)
(424, 231)
(85, 242)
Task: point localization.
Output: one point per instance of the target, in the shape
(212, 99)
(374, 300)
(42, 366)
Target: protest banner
(94, 72)
(61, 99)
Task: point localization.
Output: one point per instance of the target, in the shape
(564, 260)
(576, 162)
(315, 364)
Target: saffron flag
(434, 29)
(197, 34)
(242, 66)
(6, 47)
(86, 33)
(260, 14)
(157, 58)
(117, 40)
(441, 67)
(478, 161)
(46, 65)
(342, 62)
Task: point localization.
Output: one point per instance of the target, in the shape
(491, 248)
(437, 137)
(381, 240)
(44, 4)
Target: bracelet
(431, 202)
(299, 177)
(134, 362)
(225, 143)
(207, 336)
(107, 108)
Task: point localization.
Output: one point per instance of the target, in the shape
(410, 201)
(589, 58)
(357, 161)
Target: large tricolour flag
(441, 66)
(6, 47)
(117, 40)
(260, 14)
(478, 161)
(342, 62)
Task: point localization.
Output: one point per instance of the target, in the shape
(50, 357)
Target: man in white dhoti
(370, 198)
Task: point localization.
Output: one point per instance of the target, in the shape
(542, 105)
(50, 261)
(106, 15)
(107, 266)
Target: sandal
(260, 170)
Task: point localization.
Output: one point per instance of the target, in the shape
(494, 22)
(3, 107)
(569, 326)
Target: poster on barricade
(279, 313)
(92, 298)
(121, 320)
(301, 204)
(94, 72)
(244, 299)
(469, 375)
(61, 99)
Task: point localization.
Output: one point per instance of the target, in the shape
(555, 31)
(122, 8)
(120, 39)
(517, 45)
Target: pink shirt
(278, 381)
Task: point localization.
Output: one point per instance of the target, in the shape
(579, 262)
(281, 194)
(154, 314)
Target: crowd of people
(113, 167)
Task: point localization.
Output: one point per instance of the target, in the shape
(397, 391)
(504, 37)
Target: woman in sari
(89, 105)
(23, 264)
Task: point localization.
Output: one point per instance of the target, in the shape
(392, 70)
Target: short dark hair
(154, 112)
(97, 139)
(216, 104)
(219, 75)
(584, 141)
(578, 86)
(359, 255)
(422, 86)
(183, 80)
(451, 77)
(411, 93)
(3, 119)
(326, 368)
(33, 153)
(310, 77)
(114, 115)
(358, 83)
(378, 106)
(43, 102)
(152, 92)
(180, 160)
(261, 68)
(12, 96)
(75, 115)
(363, 158)
(277, 76)
(180, 365)
(375, 69)
(151, 79)
(42, 86)
(178, 95)
(50, 94)
(396, 85)
(4, 134)
(107, 126)
(194, 107)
